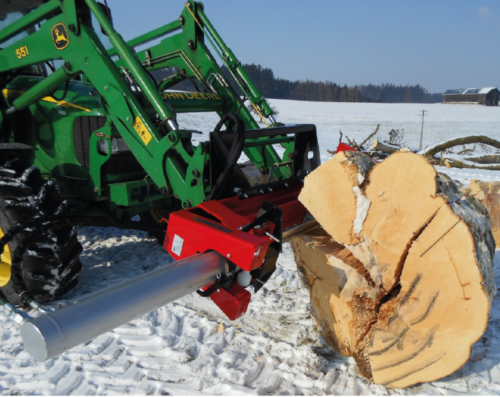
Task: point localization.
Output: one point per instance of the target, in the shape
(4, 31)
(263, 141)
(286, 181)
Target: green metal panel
(132, 193)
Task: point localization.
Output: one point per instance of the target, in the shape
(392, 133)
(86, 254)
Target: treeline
(391, 93)
(308, 90)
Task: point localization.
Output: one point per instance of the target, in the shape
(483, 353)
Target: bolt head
(229, 255)
(106, 87)
(128, 118)
(96, 189)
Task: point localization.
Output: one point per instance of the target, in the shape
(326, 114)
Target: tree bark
(401, 277)
(488, 193)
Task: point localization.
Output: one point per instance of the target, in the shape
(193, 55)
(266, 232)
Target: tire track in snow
(178, 349)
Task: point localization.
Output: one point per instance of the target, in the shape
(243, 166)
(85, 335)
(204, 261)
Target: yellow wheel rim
(5, 264)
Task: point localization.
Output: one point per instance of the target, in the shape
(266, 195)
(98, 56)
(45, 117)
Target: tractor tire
(50, 263)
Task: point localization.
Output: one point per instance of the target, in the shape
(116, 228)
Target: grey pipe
(54, 333)
(299, 230)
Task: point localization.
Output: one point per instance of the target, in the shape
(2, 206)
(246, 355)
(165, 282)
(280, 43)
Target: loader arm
(84, 54)
(182, 165)
(188, 51)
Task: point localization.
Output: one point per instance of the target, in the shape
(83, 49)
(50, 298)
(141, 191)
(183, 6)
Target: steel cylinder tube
(54, 333)
(298, 230)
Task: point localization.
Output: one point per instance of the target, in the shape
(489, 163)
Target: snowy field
(189, 347)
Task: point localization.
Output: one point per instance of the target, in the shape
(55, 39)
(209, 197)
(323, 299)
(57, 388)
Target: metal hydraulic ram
(54, 333)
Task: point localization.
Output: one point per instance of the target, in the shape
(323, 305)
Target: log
(344, 300)
(340, 178)
(488, 193)
(401, 275)
(461, 164)
(382, 147)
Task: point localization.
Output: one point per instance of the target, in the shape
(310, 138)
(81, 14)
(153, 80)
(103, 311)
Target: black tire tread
(50, 263)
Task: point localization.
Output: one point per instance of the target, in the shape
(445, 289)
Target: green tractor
(88, 136)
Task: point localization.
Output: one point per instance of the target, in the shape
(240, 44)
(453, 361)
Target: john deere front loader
(89, 137)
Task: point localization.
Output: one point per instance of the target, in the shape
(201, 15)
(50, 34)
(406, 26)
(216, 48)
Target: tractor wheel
(50, 263)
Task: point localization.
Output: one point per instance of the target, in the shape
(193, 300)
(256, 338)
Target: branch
(352, 143)
(460, 164)
(460, 141)
(367, 139)
(486, 159)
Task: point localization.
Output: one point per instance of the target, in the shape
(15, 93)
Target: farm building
(480, 96)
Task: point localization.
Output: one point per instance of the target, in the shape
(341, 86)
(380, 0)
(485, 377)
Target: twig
(367, 139)
(351, 143)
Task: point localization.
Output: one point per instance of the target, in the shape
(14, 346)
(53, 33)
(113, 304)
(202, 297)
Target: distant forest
(308, 90)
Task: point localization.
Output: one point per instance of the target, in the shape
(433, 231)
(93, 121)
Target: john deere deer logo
(60, 36)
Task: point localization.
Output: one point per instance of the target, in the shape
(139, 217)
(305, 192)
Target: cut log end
(410, 295)
(332, 196)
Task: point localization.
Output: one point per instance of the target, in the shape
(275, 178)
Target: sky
(439, 44)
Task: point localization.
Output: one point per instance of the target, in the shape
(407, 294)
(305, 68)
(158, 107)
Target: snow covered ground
(189, 347)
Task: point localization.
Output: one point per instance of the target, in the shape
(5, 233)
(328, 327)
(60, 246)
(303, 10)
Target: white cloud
(486, 13)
